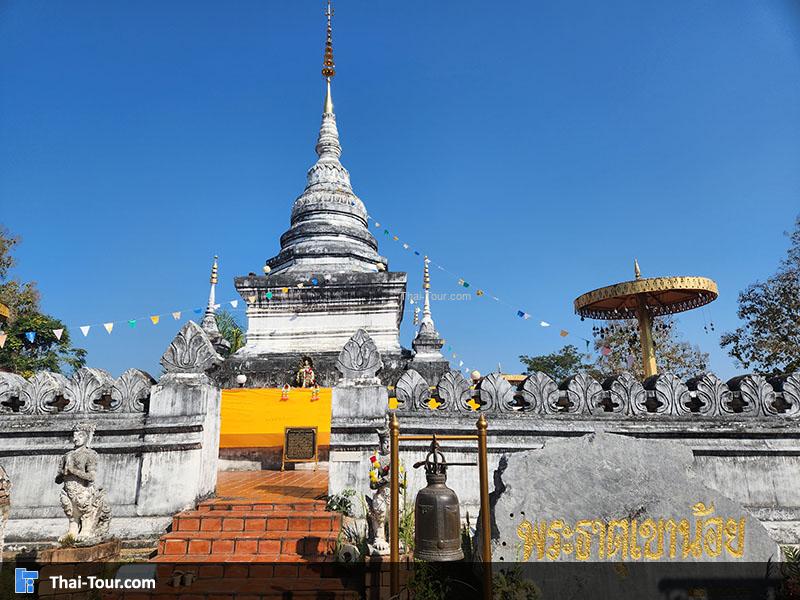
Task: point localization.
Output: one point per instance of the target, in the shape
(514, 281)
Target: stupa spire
(329, 231)
(427, 343)
(209, 323)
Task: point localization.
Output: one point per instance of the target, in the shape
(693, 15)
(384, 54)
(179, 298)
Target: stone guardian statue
(84, 504)
(378, 504)
(5, 506)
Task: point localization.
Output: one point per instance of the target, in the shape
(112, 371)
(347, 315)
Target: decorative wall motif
(89, 390)
(670, 395)
(709, 393)
(620, 396)
(359, 359)
(540, 394)
(789, 387)
(133, 390)
(412, 391)
(190, 352)
(625, 395)
(496, 393)
(583, 394)
(752, 395)
(86, 391)
(454, 391)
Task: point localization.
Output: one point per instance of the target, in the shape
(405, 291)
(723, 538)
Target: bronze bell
(437, 518)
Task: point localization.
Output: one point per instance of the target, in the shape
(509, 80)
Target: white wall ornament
(191, 351)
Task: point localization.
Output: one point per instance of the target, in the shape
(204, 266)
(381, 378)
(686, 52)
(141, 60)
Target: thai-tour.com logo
(24, 582)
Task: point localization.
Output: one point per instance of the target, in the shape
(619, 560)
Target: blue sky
(532, 148)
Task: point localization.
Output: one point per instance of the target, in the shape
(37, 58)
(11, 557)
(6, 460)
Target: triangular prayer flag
(31, 335)
(3, 338)
(461, 363)
(234, 303)
(544, 324)
(85, 329)
(251, 298)
(109, 327)
(526, 316)
(605, 351)
(132, 323)
(395, 238)
(155, 319)
(479, 292)
(300, 284)
(405, 246)
(285, 290)
(385, 232)
(216, 306)
(314, 281)
(521, 313)
(411, 301)
(460, 282)
(466, 285)
(58, 333)
(268, 295)
(197, 311)
(377, 224)
(176, 315)
(563, 333)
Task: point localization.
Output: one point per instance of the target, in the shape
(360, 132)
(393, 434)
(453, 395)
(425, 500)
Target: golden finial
(636, 270)
(426, 279)
(328, 66)
(214, 271)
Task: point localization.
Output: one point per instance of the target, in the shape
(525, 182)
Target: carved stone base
(105, 552)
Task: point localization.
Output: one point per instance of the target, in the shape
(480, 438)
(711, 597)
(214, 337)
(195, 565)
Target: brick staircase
(251, 531)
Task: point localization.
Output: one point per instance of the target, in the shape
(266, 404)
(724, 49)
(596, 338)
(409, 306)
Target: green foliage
(231, 330)
(46, 352)
(769, 339)
(341, 502)
(509, 584)
(406, 523)
(427, 582)
(558, 365)
(468, 542)
(673, 354)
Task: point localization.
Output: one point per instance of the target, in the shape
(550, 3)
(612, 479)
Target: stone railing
(86, 391)
(620, 395)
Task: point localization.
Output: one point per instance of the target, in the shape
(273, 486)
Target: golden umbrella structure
(643, 299)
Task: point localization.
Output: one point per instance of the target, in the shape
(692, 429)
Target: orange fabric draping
(256, 418)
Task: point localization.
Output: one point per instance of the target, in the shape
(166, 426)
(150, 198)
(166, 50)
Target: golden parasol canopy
(643, 299)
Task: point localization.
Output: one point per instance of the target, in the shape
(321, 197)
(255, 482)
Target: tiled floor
(271, 486)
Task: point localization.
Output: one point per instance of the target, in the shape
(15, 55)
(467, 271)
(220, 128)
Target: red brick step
(257, 520)
(297, 543)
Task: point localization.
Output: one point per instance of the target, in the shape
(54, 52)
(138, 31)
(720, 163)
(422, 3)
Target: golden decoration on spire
(426, 279)
(214, 271)
(328, 68)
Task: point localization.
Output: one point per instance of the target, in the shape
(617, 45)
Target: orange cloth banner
(255, 418)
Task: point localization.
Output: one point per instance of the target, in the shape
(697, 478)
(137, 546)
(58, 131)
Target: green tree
(558, 365)
(769, 339)
(31, 344)
(231, 330)
(620, 350)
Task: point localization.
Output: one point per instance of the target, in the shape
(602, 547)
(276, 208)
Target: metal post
(486, 527)
(394, 509)
(646, 335)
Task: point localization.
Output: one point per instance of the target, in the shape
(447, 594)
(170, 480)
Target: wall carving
(86, 391)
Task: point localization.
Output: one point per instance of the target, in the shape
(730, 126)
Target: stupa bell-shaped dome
(329, 230)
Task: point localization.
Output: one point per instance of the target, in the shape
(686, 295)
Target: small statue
(5, 505)
(378, 505)
(306, 377)
(85, 506)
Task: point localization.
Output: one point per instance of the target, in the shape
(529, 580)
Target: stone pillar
(358, 406)
(183, 473)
